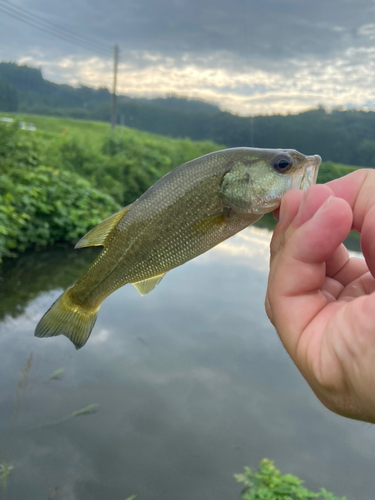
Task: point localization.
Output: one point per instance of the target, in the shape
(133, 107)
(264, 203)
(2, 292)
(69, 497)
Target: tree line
(343, 136)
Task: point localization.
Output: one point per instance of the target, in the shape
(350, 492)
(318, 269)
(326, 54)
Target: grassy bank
(59, 181)
(65, 177)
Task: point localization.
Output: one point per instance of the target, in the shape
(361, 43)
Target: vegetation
(8, 97)
(60, 181)
(41, 204)
(37, 95)
(57, 183)
(329, 171)
(267, 483)
(345, 137)
(5, 469)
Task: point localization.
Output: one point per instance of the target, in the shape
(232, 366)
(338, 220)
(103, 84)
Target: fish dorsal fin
(145, 286)
(97, 236)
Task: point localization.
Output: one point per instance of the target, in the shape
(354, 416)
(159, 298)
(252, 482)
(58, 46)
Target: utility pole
(113, 107)
(252, 142)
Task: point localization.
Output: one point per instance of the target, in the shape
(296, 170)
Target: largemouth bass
(190, 210)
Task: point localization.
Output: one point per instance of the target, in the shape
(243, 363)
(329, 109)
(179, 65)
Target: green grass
(93, 131)
(65, 126)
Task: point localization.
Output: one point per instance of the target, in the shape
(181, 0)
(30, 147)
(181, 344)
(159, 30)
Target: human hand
(321, 302)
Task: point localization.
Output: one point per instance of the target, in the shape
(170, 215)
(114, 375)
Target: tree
(8, 97)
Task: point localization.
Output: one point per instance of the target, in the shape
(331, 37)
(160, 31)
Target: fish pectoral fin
(219, 219)
(97, 236)
(145, 286)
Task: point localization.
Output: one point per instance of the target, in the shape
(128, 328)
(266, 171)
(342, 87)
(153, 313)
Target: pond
(173, 394)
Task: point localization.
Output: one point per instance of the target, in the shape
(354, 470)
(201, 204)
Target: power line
(28, 17)
(49, 24)
(68, 36)
(50, 31)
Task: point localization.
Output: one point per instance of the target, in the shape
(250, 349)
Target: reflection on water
(22, 279)
(174, 392)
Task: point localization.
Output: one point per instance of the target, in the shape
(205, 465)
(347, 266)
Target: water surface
(191, 384)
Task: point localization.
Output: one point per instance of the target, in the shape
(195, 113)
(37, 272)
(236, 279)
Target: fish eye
(282, 163)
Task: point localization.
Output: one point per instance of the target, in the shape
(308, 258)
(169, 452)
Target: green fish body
(190, 210)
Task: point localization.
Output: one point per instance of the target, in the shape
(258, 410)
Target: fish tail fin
(65, 317)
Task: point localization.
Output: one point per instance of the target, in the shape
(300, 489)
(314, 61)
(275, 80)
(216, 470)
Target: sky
(247, 56)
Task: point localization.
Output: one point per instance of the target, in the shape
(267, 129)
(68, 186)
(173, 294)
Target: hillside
(37, 95)
(346, 137)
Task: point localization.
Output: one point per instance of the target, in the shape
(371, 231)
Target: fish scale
(184, 214)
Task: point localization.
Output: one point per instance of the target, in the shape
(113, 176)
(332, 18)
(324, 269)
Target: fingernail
(324, 205)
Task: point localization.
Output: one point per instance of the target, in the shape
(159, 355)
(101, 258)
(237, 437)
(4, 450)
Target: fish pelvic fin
(98, 235)
(65, 317)
(145, 286)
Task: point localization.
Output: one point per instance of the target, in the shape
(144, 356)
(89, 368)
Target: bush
(40, 205)
(267, 483)
(329, 171)
(55, 187)
(43, 205)
(136, 163)
(18, 147)
(127, 163)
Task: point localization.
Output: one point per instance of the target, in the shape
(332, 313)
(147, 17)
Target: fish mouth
(310, 173)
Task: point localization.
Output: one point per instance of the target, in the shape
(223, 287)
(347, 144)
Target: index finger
(296, 277)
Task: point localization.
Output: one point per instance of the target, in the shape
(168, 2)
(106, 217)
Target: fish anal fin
(145, 286)
(97, 236)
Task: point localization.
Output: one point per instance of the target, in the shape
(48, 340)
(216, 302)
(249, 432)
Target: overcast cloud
(247, 56)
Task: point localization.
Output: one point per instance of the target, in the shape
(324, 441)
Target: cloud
(249, 57)
(282, 88)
